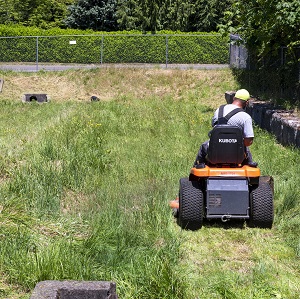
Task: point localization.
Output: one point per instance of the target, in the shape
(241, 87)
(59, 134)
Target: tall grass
(85, 188)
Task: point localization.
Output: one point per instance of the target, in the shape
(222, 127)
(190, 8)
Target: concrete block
(95, 99)
(35, 97)
(290, 129)
(261, 113)
(1, 84)
(257, 113)
(276, 126)
(70, 289)
(266, 120)
(298, 137)
(229, 95)
(284, 124)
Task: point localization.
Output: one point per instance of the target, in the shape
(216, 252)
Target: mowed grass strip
(85, 188)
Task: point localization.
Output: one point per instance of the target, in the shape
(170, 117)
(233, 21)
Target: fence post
(37, 53)
(282, 63)
(282, 55)
(167, 50)
(249, 71)
(101, 50)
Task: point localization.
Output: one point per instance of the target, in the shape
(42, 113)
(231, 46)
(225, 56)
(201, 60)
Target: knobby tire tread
(262, 206)
(190, 205)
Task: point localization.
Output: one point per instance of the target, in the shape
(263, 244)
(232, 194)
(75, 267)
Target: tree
(270, 29)
(265, 25)
(16, 11)
(129, 15)
(174, 15)
(150, 14)
(39, 13)
(207, 15)
(93, 14)
(50, 13)
(6, 11)
(153, 15)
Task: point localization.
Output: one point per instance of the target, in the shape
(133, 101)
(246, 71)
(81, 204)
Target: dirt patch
(111, 83)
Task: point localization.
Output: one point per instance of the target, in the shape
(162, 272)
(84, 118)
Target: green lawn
(85, 188)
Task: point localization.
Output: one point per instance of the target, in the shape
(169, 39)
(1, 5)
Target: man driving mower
(232, 114)
(224, 182)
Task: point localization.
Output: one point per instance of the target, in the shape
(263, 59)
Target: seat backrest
(226, 145)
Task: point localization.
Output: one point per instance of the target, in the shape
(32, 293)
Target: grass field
(85, 188)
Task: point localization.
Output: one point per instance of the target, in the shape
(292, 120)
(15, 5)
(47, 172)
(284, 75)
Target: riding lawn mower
(225, 189)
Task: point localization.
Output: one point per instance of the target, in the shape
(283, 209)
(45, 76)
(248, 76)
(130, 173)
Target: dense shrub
(20, 43)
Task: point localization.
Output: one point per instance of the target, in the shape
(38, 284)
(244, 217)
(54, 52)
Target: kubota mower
(225, 189)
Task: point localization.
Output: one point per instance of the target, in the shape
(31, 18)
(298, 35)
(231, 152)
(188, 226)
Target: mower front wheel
(190, 214)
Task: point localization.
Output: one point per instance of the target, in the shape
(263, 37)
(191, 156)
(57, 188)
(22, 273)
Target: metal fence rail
(115, 48)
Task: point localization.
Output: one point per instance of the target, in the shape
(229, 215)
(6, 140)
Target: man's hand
(248, 141)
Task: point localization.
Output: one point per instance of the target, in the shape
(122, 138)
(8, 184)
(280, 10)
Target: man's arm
(215, 118)
(248, 141)
(248, 131)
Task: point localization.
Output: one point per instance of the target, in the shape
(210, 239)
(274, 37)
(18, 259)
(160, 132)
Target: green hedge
(21, 44)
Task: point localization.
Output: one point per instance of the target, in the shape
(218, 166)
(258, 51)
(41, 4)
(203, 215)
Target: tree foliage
(174, 15)
(40, 13)
(207, 15)
(93, 14)
(183, 15)
(129, 15)
(110, 15)
(50, 13)
(265, 25)
(270, 29)
(153, 15)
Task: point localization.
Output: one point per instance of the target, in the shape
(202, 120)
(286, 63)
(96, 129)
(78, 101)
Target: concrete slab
(1, 84)
(72, 289)
(35, 97)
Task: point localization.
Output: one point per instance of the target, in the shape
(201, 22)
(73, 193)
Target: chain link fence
(276, 76)
(115, 48)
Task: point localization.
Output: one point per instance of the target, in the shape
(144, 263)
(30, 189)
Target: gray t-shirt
(242, 120)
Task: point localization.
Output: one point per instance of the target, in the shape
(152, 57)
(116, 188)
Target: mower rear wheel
(190, 214)
(262, 206)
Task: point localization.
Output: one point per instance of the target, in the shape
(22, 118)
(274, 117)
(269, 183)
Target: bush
(20, 43)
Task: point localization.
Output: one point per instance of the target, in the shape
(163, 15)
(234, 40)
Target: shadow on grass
(230, 224)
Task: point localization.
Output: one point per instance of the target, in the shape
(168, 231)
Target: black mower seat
(226, 146)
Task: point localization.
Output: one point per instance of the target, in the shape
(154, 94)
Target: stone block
(267, 118)
(276, 126)
(290, 129)
(1, 84)
(70, 289)
(284, 124)
(35, 97)
(261, 113)
(95, 99)
(229, 95)
(298, 137)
